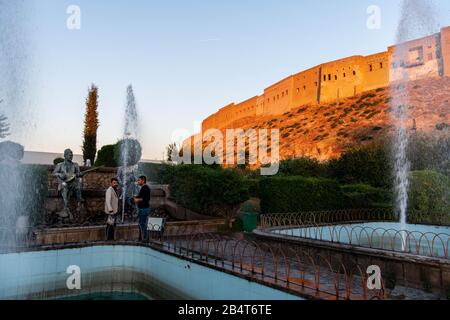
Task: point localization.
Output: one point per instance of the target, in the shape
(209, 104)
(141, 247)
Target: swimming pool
(122, 269)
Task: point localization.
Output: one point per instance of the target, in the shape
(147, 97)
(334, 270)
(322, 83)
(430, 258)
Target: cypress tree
(91, 125)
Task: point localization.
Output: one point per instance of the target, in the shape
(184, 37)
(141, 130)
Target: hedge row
(212, 192)
(361, 196)
(296, 194)
(157, 173)
(429, 196)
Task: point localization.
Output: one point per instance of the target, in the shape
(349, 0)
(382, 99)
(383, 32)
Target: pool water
(120, 272)
(424, 240)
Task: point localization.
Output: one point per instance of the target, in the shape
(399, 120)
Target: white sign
(155, 224)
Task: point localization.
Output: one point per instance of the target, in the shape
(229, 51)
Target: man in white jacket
(111, 208)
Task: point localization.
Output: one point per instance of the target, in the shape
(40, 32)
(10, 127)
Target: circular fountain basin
(426, 240)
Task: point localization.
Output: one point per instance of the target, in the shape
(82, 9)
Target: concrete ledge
(125, 232)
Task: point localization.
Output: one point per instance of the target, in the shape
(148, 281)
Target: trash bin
(250, 221)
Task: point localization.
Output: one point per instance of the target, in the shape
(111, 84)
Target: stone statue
(69, 175)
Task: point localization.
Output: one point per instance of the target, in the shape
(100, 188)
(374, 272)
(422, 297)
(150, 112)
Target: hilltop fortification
(427, 57)
(329, 108)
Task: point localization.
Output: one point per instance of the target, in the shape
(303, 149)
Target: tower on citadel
(427, 57)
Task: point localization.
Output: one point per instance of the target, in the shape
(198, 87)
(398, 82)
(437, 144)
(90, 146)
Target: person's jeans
(143, 218)
(110, 231)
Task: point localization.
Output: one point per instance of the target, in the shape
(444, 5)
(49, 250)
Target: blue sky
(185, 58)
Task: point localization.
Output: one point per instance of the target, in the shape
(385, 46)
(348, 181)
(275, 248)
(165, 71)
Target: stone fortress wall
(421, 58)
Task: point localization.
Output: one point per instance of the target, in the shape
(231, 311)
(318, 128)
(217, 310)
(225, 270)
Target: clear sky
(185, 58)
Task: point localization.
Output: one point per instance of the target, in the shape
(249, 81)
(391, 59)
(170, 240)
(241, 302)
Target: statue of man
(68, 174)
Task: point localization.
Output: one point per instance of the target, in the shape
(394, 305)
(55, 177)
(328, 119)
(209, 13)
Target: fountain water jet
(130, 151)
(417, 19)
(14, 83)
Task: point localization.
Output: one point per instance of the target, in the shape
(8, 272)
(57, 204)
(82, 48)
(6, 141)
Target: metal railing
(284, 266)
(339, 227)
(326, 217)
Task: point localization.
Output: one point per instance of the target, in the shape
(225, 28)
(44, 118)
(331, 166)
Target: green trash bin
(250, 221)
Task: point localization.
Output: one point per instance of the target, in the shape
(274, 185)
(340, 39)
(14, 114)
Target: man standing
(143, 203)
(111, 208)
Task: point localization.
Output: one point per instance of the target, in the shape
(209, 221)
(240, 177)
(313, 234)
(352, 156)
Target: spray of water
(417, 20)
(14, 60)
(130, 152)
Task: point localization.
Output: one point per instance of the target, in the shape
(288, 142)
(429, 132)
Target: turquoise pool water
(120, 270)
(424, 240)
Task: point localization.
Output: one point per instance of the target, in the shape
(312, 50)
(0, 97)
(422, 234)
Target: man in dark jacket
(143, 203)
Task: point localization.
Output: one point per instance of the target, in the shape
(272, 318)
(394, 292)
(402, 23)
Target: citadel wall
(343, 78)
(306, 87)
(416, 59)
(445, 48)
(278, 97)
(375, 71)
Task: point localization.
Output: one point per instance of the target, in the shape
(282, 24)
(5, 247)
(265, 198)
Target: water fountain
(130, 153)
(417, 19)
(14, 214)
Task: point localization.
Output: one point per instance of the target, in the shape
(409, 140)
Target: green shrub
(295, 194)
(212, 192)
(429, 153)
(429, 195)
(157, 173)
(253, 187)
(367, 95)
(343, 134)
(134, 151)
(365, 196)
(105, 157)
(306, 167)
(367, 165)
